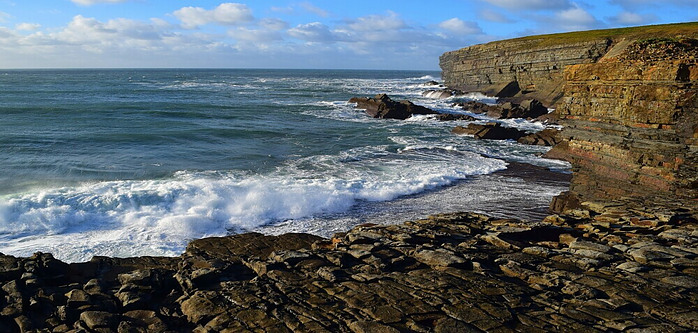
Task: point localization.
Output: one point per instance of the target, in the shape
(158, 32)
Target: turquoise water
(138, 162)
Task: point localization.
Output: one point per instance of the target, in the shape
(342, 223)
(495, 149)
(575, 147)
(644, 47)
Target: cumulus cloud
(391, 21)
(532, 4)
(576, 19)
(27, 26)
(92, 2)
(225, 14)
(273, 24)
(628, 18)
(312, 32)
(380, 39)
(458, 26)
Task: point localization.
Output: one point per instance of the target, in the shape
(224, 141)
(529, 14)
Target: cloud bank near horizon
(290, 35)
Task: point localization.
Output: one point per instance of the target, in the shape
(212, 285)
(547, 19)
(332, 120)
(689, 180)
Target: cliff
(532, 67)
(631, 123)
(626, 98)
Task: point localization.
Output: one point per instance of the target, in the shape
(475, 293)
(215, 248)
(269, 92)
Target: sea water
(139, 162)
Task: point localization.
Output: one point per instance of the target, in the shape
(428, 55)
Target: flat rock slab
(450, 272)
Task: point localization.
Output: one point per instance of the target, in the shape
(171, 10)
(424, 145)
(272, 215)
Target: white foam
(158, 217)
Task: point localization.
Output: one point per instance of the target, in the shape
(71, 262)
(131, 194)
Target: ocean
(139, 162)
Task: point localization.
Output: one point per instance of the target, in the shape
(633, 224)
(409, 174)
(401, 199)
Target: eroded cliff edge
(532, 67)
(626, 98)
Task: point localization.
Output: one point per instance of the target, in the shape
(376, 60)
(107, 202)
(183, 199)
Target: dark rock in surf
(476, 107)
(491, 131)
(527, 109)
(546, 137)
(453, 117)
(381, 106)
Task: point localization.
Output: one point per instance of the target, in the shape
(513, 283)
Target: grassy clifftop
(689, 29)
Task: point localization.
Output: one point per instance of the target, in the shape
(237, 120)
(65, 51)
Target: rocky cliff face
(518, 69)
(631, 123)
(627, 99)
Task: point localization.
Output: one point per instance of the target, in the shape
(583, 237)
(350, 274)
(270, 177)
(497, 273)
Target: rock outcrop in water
(382, 106)
(530, 108)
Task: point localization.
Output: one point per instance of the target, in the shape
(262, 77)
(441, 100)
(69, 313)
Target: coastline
(526, 191)
(618, 253)
(448, 272)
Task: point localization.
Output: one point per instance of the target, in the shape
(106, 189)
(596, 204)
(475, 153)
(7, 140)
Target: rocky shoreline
(618, 253)
(591, 271)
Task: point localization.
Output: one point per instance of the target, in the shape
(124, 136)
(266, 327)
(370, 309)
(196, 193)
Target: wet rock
(454, 117)
(99, 319)
(546, 137)
(491, 131)
(382, 106)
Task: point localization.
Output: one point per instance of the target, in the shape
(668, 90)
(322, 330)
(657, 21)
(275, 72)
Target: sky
(327, 34)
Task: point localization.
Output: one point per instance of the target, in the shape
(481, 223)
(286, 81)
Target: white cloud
(531, 4)
(92, 2)
(493, 16)
(628, 18)
(458, 26)
(254, 35)
(383, 40)
(273, 24)
(225, 14)
(27, 26)
(391, 21)
(4, 16)
(312, 32)
(576, 19)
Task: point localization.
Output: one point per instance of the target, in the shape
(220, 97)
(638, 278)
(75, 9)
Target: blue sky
(392, 34)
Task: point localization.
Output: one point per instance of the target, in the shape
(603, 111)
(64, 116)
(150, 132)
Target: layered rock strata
(447, 273)
(631, 123)
(532, 67)
(517, 69)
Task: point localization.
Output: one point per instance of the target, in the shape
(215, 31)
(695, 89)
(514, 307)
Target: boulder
(527, 109)
(531, 108)
(476, 107)
(546, 137)
(382, 106)
(492, 131)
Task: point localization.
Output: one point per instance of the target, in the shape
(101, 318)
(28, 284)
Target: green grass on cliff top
(650, 31)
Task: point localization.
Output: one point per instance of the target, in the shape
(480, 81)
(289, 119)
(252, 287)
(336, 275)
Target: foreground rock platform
(591, 271)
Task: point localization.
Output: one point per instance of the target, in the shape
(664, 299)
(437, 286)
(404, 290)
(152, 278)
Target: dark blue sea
(139, 162)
